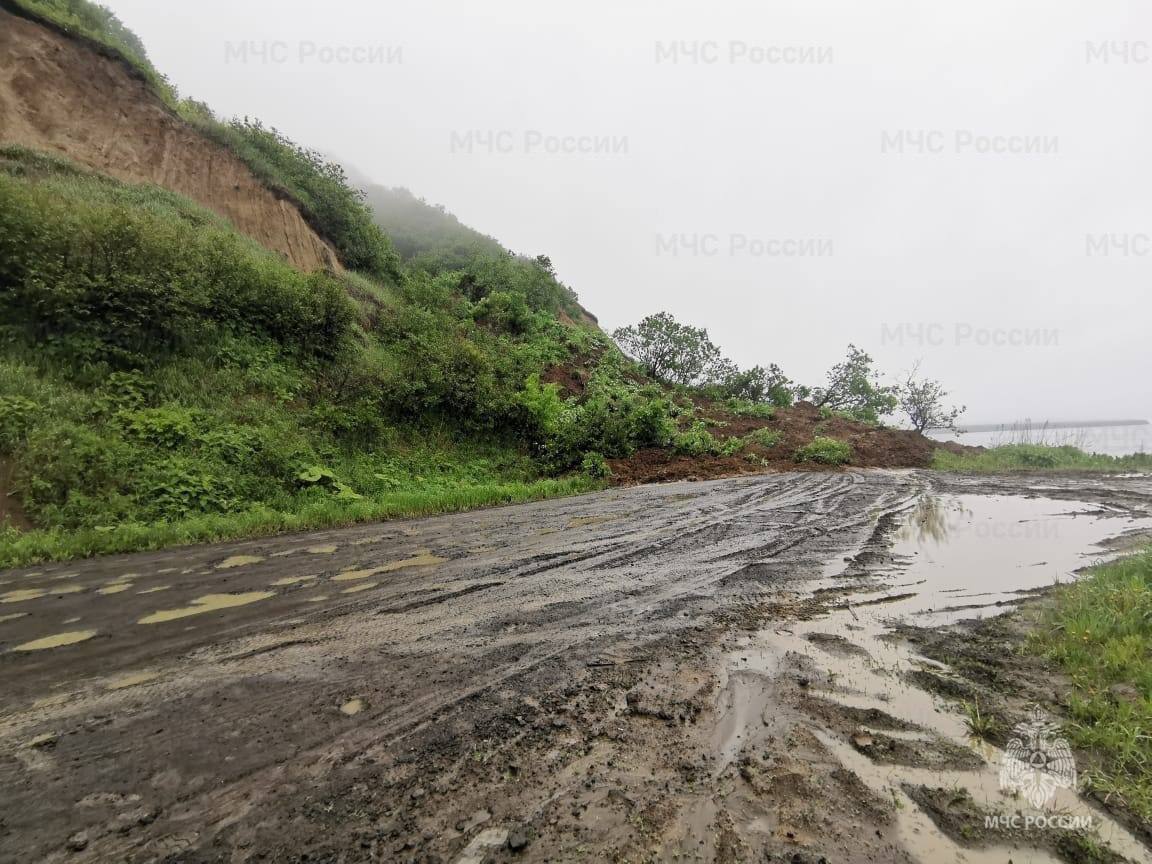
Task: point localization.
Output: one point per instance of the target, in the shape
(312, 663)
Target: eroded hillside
(60, 95)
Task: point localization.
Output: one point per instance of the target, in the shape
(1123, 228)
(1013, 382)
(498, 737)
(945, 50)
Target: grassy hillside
(165, 378)
(426, 234)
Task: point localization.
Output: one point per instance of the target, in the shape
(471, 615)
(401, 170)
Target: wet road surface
(402, 691)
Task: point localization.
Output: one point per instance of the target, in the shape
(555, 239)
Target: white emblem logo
(1037, 761)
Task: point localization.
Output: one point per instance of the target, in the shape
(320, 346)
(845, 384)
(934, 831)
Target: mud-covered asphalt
(536, 682)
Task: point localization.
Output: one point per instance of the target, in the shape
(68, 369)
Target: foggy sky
(746, 125)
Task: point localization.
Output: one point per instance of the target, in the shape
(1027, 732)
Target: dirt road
(548, 682)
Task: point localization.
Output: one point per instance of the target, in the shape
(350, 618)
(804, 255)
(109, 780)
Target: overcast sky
(965, 183)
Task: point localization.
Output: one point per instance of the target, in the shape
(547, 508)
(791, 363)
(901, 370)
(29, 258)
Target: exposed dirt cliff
(61, 96)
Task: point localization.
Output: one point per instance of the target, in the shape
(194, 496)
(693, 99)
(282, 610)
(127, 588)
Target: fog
(964, 184)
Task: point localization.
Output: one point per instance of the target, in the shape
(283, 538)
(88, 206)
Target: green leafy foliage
(595, 465)
(158, 370)
(696, 441)
(613, 419)
(1038, 457)
(90, 275)
(1099, 631)
(669, 351)
(764, 437)
(758, 386)
(854, 389)
(825, 451)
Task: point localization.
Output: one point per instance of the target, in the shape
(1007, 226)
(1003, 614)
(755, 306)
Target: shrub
(92, 276)
(826, 451)
(744, 408)
(595, 465)
(16, 417)
(764, 437)
(696, 441)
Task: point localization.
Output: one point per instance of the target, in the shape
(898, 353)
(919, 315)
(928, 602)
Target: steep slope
(168, 374)
(60, 95)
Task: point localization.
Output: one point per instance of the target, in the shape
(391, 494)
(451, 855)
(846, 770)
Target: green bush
(696, 441)
(826, 451)
(595, 465)
(764, 437)
(744, 408)
(90, 275)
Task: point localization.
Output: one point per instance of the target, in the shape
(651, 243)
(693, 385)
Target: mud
(872, 447)
(689, 672)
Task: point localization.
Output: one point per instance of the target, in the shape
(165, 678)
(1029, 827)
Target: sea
(1112, 440)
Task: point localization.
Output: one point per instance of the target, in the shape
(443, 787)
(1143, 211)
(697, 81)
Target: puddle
(957, 557)
(59, 640)
(584, 521)
(133, 680)
(975, 551)
(114, 588)
(292, 580)
(22, 595)
(319, 599)
(352, 707)
(155, 590)
(239, 561)
(13, 616)
(423, 558)
(356, 589)
(321, 550)
(207, 603)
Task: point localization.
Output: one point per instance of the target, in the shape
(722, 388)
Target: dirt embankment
(61, 96)
(872, 447)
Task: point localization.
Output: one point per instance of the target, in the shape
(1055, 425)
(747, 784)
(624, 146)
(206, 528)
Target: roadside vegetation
(164, 379)
(1099, 631)
(1034, 457)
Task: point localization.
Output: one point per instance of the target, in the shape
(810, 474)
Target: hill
(207, 332)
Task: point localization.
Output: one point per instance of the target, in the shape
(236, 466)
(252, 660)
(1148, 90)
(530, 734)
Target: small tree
(922, 400)
(669, 351)
(854, 388)
(758, 384)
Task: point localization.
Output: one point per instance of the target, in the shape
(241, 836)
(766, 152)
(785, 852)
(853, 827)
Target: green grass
(825, 451)
(1100, 633)
(980, 724)
(764, 437)
(165, 380)
(1033, 457)
(19, 549)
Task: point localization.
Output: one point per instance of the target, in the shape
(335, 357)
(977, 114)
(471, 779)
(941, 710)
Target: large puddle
(955, 557)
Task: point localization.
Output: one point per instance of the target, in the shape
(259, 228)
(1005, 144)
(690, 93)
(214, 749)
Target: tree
(669, 351)
(854, 388)
(758, 384)
(922, 400)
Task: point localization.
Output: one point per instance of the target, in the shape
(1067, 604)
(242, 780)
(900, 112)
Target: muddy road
(685, 672)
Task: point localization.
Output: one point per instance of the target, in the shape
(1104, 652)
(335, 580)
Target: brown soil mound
(872, 447)
(59, 95)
